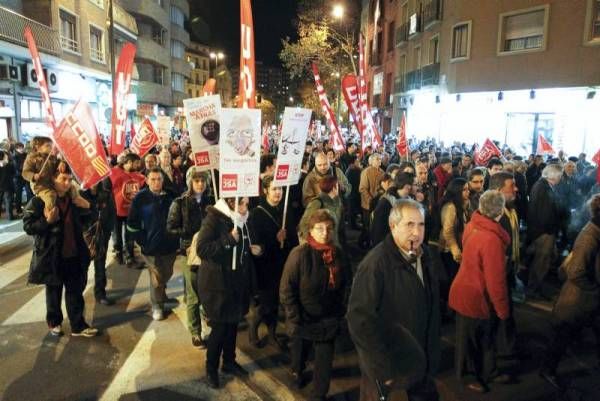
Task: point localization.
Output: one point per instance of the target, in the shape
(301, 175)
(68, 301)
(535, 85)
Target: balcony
(181, 66)
(432, 13)
(183, 5)
(145, 10)
(402, 34)
(430, 75)
(124, 20)
(180, 34)
(413, 80)
(399, 85)
(13, 24)
(149, 50)
(415, 24)
(149, 92)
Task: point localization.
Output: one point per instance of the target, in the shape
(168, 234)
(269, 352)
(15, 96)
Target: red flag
(350, 91)
(125, 186)
(401, 143)
(488, 150)
(596, 159)
(145, 139)
(370, 134)
(265, 139)
(543, 147)
(41, 78)
(77, 139)
(209, 87)
(247, 91)
(120, 91)
(336, 137)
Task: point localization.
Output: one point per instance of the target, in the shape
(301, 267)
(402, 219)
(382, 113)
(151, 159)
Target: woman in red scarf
(314, 288)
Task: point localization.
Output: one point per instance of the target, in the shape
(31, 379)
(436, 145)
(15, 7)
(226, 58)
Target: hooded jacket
(480, 288)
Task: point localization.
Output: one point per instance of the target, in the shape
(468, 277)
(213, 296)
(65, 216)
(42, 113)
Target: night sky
(218, 26)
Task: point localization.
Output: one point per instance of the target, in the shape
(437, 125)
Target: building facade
(73, 41)
(199, 56)
(161, 54)
(505, 70)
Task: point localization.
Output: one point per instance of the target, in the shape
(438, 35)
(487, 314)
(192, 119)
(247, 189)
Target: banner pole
(234, 260)
(285, 208)
(212, 176)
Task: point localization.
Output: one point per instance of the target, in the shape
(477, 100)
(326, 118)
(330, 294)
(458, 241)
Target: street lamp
(338, 11)
(216, 56)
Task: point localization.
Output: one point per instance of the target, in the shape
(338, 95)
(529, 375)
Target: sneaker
(198, 342)
(56, 331)
(158, 314)
(105, 301)
(87, 332)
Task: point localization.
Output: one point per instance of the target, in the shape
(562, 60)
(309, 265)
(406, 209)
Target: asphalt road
(135, 358)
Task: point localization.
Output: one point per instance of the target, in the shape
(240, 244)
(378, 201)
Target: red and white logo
(229, 182)
(202, 158)
(130, 189)
(283, 172)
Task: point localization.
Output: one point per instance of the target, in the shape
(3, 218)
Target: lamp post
(216, 56)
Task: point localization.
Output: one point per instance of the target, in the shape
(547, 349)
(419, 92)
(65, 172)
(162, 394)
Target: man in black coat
(393, 312)
(60, 256)
(543, 223)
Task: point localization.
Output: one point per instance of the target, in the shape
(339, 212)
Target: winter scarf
(328, 255)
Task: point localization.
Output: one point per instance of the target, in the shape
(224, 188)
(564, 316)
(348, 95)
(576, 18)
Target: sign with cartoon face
(239, 148)
(292, 144)
(203, 118)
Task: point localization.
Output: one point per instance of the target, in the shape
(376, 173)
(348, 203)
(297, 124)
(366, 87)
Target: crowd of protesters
(446, 242)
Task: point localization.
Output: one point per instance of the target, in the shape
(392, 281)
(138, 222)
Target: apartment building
(161, 54)
(199, 56)
(73, 39)
(511, 70)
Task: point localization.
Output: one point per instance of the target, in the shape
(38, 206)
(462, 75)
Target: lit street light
(216, 56)
(338, 11)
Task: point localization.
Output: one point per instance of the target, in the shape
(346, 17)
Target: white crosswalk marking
(35, 309)
(10, 274)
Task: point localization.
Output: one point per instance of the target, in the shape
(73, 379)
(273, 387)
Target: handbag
(192, 256)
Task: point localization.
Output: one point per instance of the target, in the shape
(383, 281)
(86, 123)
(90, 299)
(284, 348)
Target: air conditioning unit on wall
(51, 78)
(9, 73)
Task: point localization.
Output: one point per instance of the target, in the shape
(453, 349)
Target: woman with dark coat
(578, 304)
(314, 289)
(479, 293)
(60, 256)
(103, 211)
(225, 281)
(267, 221)
(184, 220)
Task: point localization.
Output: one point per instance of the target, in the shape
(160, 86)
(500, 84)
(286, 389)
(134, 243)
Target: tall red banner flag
(77, 139)
(120, 91)
(145, 139)
(41, 78)
(247, 91)
(596, 159)
(350, 91)
(488, 150)
(401, 142)
(336, 137)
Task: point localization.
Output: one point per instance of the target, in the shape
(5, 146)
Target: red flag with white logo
(121, 88)
(350, 91)
(145, 139)
(247, 91)
(488, 150)
(335, 135)
(401, 142)
(543, 147)
(41, 78)
(77, 139)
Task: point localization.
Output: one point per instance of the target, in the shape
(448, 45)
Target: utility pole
(111, 45)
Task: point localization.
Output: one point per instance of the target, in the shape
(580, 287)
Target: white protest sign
(292, 144)
(202, 115)
(163, 126)
(239, 147)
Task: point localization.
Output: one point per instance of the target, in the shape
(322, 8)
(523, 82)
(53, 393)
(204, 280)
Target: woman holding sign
(267, 221)
(225, 292)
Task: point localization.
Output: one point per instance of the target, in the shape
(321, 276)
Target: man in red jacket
(479, 293)
(126, 182)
